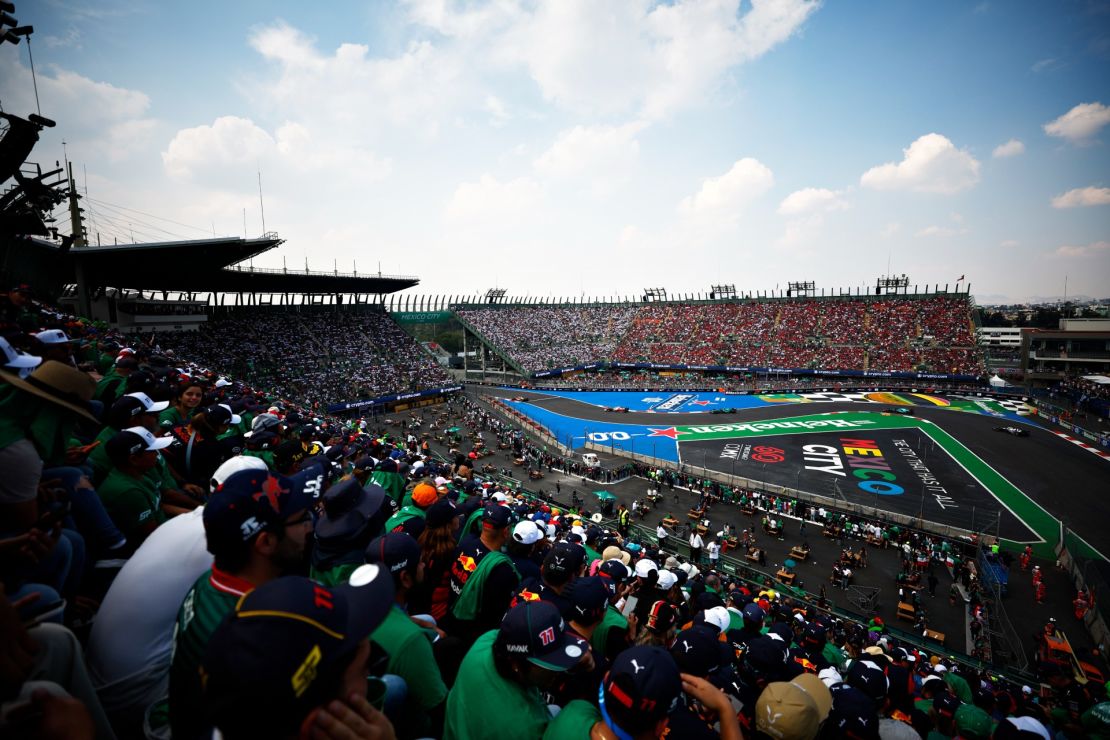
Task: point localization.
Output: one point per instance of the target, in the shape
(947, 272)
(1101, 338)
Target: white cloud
(617, 58)
(1089, 196)
(612, 150)
(890, 229)
(1080, 123)
(940, 232)
(1009, 243)
(229, 141)
(1011, 148)
(1086, 250)
(809, 200)
(931, 164)
(490, 200)
(727, 194)
(1043, 64)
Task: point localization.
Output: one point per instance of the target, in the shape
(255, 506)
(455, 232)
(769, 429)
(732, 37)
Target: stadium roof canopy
(198, 266)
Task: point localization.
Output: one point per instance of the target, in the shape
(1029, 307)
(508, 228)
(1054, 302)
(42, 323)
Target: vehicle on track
(1015, 431)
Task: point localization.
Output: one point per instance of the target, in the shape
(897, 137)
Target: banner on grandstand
(421, 317)
(382, 400)
(732, 369)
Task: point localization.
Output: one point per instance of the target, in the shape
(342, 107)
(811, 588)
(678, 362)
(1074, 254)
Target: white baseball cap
(149, 403)
(223, 383)
(52, 336)
(233, 466)
(645, 567)
(719, 617)
(527, 532)
(151, 442)
(17, 360)
(666, 579)
(235, 418)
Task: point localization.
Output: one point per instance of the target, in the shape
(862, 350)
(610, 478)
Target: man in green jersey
(408, 646)
(255, 525)
(291, 661)
(497, 692)
(131, 497)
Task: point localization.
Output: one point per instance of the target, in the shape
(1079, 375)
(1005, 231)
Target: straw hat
(60, 384)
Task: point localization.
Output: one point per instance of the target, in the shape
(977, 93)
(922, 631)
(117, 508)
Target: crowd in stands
(541, 337)
(319, 357)
(184, 553)
(889, 334)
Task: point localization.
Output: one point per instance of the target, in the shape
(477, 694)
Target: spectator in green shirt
(408, 645)
(186, 400)
(132, 498)
(255, 525)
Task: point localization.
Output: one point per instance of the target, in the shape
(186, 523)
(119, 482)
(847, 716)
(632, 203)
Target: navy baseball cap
(614, 570)
(815, 635)
(250, 501)
(868, 678)
(564, 557)
(853, 714)
(642, 685)
(697, 650)
(284, 645)
(754, 613)
(946, 703)
(395, 551)
(497, 516)
(662, 616)
(767, 655)
(535, 631)
(588, 596)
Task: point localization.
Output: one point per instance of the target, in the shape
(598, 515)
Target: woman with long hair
(438, 542)
(186, 401)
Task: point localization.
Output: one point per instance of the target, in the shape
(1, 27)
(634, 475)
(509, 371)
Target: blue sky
(577, 146)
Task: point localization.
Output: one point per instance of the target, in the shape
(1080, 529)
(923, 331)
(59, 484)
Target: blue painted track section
(574, 433)
(664, 402)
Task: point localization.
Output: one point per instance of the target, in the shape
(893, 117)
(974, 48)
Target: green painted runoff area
(1038, 519)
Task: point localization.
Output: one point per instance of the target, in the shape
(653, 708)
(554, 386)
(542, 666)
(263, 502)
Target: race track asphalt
(1072, 484)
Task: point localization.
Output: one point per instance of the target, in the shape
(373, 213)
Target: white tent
(998, 382)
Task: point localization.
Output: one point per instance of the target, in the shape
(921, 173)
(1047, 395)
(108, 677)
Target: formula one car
(618, 409)
(1016, 431)
(520, 398)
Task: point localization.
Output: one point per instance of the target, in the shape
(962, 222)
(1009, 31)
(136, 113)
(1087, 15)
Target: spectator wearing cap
(793, 710)
(612, 634)
(973, 723)
(132, 636)
(17, 310)
(386, 475)
(410, 519)
(483, 578)
(408, 646)
(589, 598)
(131, 496)
(53, 344)
(506, 670)
(114, 383)
(660, 625)
(197, 450)
(37, 417)
(16, 362)
(352, 516)
(131, 410)
(187, 398)
(438, 545)
(853, 715)
(291, 660)
(562, 564)
(256, 525)
(521, 548)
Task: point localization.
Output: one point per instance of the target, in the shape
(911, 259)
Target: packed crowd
(184, 554)
(320, 357)
(541, 337)
(933, 334)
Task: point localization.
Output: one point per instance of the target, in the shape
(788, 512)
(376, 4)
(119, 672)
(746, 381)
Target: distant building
(1078, 347)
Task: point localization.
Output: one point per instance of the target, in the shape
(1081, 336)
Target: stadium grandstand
(249, 503)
